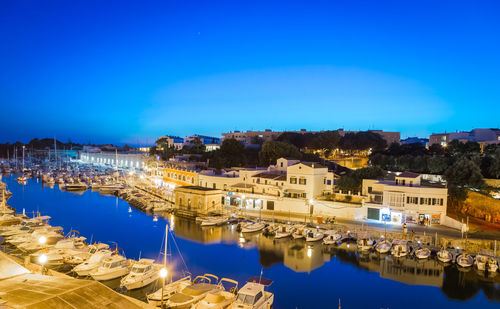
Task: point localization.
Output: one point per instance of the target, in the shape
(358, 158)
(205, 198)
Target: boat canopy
(263, 281)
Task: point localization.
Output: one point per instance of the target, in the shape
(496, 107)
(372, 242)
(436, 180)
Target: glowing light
(311, 201)
(42, 240)
(242, 240)
(309, 252)
(42, 259)
(163, 272)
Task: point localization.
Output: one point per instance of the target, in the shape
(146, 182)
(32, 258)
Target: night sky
(130, 71)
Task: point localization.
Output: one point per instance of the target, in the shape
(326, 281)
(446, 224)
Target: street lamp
(163, 275)
(42, 259)
(42, 240)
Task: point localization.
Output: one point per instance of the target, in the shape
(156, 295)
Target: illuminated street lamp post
(163, 275)
(42, 259)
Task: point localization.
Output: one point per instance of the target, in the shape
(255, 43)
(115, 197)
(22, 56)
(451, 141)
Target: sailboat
(165, 292)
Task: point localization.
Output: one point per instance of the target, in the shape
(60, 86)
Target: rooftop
(408, 175)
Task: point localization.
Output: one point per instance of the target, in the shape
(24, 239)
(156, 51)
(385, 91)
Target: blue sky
(129, 71)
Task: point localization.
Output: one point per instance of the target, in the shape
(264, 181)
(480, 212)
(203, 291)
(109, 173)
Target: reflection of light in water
(130, 209)
(172, 225)
(242, 240)
(309, 252)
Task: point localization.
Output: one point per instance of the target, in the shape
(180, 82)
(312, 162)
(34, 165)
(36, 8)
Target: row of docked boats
(484, 261)
(144, 201)
(207, 291)
(46, 245)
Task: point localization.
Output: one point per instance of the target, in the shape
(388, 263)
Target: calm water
(304, 276)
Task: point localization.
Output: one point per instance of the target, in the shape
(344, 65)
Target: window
(370, 189)
(421, 201)
(214, 186)
(293, 180)
(282, 162)
(270, 205)
(257, 297)
(329, 182)
(302, 181)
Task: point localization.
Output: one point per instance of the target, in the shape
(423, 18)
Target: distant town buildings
(481, 136)
(414, 140)
(250, 137)
(211, 143)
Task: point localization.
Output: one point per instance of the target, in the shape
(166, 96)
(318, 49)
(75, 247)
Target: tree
(353, 181)
(362, 141)
(273, 150)
(437, 164)
(460, 176)
(436, 150)
(231, 151)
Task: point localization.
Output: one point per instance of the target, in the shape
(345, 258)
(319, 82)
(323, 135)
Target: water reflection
(302, 257)
(301, 271)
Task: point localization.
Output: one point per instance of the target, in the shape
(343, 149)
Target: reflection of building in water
(188, 229)
(405, 270)
(410, 271)
(301, 257)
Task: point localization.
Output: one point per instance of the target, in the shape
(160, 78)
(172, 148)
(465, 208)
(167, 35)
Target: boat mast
(55, 152)
(23, 158)
(165, 253)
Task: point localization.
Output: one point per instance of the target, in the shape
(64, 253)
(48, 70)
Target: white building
(404, 199)
(129, 160)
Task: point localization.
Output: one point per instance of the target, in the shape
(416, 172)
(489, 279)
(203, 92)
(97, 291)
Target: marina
(301, 269)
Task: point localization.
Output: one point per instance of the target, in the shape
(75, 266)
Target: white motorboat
(300, 233)
(79, 258)
(253, 227)
(114, 267)
(253, 296)
(313, 236)
(56, 254)
(284, 231)
(332, 238)
(465, 260)
(168, 291)
(9, 219)
(399, 248)
(95, 261)
(195, 292)
(142, 273)
(214, 221)
(422, 253)
(444, 255)
(219, 299)
(383, 246)
(485, 261)
(364, 243)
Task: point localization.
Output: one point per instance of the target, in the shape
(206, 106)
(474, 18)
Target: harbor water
(305, 276)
